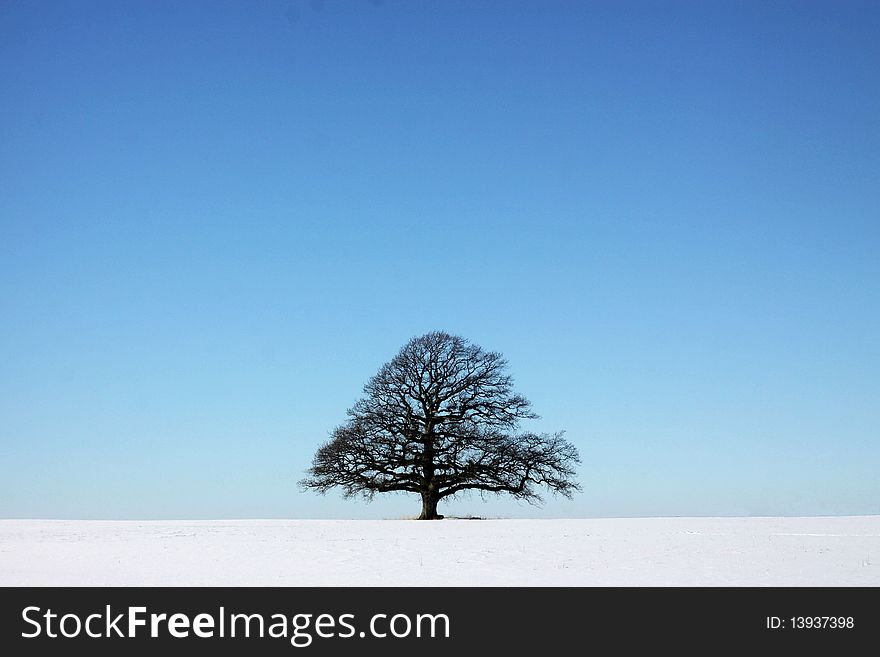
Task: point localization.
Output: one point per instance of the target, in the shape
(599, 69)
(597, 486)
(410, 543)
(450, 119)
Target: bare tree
(440, 419)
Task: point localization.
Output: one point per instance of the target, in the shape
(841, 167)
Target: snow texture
(839, 551)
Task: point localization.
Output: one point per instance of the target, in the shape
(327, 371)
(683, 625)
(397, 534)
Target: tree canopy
(442, 418)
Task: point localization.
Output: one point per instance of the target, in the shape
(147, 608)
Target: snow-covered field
(604, 552)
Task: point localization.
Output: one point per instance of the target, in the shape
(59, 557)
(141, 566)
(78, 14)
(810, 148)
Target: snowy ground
(607, 552)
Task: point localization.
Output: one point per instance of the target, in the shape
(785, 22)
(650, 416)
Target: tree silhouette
(440, 419)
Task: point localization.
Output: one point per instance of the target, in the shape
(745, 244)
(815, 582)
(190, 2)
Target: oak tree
(442, 418)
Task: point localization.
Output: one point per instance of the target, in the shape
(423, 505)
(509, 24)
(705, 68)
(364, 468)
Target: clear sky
(218, 219)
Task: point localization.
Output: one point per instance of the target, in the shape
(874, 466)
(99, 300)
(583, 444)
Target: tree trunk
(429, 506)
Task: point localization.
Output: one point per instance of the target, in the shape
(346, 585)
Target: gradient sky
(218, 219)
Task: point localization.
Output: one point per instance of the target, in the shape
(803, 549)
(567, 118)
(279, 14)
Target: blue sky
(218, 219)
